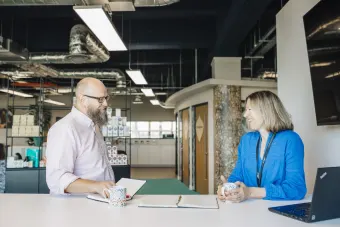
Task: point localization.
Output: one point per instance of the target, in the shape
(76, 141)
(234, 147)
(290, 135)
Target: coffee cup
(116, 196)
(227, 187)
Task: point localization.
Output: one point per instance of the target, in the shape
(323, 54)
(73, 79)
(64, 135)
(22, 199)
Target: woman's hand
(239, 194)
(221, 195)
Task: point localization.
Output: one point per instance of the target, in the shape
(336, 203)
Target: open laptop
(325, 201)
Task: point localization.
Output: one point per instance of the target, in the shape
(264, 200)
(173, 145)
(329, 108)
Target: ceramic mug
(117, 196)
(227, 187)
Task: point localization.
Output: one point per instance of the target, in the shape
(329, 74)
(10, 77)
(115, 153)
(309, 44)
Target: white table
(22, 210)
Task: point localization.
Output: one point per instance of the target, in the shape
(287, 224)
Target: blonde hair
(275, 116)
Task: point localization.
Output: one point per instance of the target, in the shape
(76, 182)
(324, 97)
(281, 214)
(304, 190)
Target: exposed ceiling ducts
(116, 5)
(83, 48)
(41, 2)
(153, 3)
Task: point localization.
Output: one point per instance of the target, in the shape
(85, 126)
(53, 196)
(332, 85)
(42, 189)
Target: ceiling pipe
(83, 48)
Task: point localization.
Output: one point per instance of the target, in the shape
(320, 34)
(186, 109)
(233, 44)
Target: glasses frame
(99, 99)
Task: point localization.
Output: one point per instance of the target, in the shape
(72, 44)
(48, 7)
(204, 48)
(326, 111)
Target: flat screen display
(322, 28)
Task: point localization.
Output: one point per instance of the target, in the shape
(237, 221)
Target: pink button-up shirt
(75, 149)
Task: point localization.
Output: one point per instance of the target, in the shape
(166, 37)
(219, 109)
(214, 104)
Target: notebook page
(159, 201)
(198, 201)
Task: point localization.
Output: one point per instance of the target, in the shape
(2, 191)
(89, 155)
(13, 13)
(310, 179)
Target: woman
(270, 161)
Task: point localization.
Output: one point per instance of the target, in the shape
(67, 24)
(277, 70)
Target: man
(76, 152)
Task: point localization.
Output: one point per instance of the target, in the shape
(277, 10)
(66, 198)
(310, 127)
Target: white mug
(117, 196)
(227, 187)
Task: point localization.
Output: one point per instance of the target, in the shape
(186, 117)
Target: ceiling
(172, 45)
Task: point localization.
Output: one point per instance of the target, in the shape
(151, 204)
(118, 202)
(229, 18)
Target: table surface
(21, 210)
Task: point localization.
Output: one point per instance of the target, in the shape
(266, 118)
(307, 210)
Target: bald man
(76, 151)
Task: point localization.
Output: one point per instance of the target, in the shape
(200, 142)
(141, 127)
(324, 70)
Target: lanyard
(259, 173)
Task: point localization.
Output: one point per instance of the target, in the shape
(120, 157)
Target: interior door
(185, 153)
(201, 151)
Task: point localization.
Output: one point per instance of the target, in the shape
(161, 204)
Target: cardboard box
(22, 130)
(28, 130)
(23, 120)
(16, 120)
(15, 130)
(35, 130)
(30, 120)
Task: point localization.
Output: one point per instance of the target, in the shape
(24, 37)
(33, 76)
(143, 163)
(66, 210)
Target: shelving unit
(33, 180)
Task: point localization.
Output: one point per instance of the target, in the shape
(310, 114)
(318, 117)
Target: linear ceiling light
(137, 77)
(54, 102)
(154, 102)
(12, 92)
(148, 92)
(100, 24)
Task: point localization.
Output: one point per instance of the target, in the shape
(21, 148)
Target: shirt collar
(82, 118)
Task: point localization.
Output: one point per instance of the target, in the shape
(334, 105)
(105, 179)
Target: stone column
(228, 115)
(228, 129)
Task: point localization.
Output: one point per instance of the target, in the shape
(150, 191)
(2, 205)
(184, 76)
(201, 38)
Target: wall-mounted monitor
(322, 27)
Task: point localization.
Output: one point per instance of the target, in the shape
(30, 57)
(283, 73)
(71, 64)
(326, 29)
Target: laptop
(325, 201)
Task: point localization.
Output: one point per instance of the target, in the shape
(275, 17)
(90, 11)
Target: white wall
(204, 97)
(322, 144)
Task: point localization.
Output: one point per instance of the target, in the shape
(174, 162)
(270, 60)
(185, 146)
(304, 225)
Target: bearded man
(76, 151)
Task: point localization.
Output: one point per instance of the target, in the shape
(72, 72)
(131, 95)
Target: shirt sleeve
(61, 153)
(237, 173)
(293, 187)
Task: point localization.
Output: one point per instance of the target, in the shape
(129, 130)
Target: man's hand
(99, 186)
(239, 194)
(220, 195)
(89, 186)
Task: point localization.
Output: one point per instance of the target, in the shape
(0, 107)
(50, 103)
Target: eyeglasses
(100, 99)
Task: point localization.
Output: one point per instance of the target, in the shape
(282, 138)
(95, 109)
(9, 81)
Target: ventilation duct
(83, 48)
(153, 3)
(40, 2)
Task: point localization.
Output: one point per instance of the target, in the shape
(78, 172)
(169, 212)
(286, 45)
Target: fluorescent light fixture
(12, 92)
(148, 92)
(64, 90)
(137, 77)
(154, 102)
(333, 75)
(100, 24)
(54, 102)
(322, 64)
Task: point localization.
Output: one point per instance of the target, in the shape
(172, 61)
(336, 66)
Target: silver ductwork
(83, 48)
(41, 2)
(154, 3)
(116, 5)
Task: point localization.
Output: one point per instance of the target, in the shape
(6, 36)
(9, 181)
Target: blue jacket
(283, 174)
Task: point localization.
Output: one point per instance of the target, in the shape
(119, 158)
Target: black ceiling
(157, 37)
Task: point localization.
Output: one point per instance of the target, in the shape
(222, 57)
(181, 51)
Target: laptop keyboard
(298, 211)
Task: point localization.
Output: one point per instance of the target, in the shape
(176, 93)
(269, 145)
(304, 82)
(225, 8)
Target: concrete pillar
(228, 129)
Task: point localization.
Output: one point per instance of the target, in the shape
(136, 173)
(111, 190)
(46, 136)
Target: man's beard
(97, 116)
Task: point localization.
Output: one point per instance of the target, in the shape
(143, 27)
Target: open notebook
(182, 201)
(132, 187)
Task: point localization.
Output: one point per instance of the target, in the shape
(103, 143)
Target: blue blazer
(283, 174)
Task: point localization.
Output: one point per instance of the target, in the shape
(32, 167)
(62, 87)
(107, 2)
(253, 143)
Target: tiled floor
(152, 173)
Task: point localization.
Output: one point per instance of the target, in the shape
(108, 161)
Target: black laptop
(325, 204)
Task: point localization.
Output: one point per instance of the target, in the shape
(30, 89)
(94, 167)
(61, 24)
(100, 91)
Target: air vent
(11, 51)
